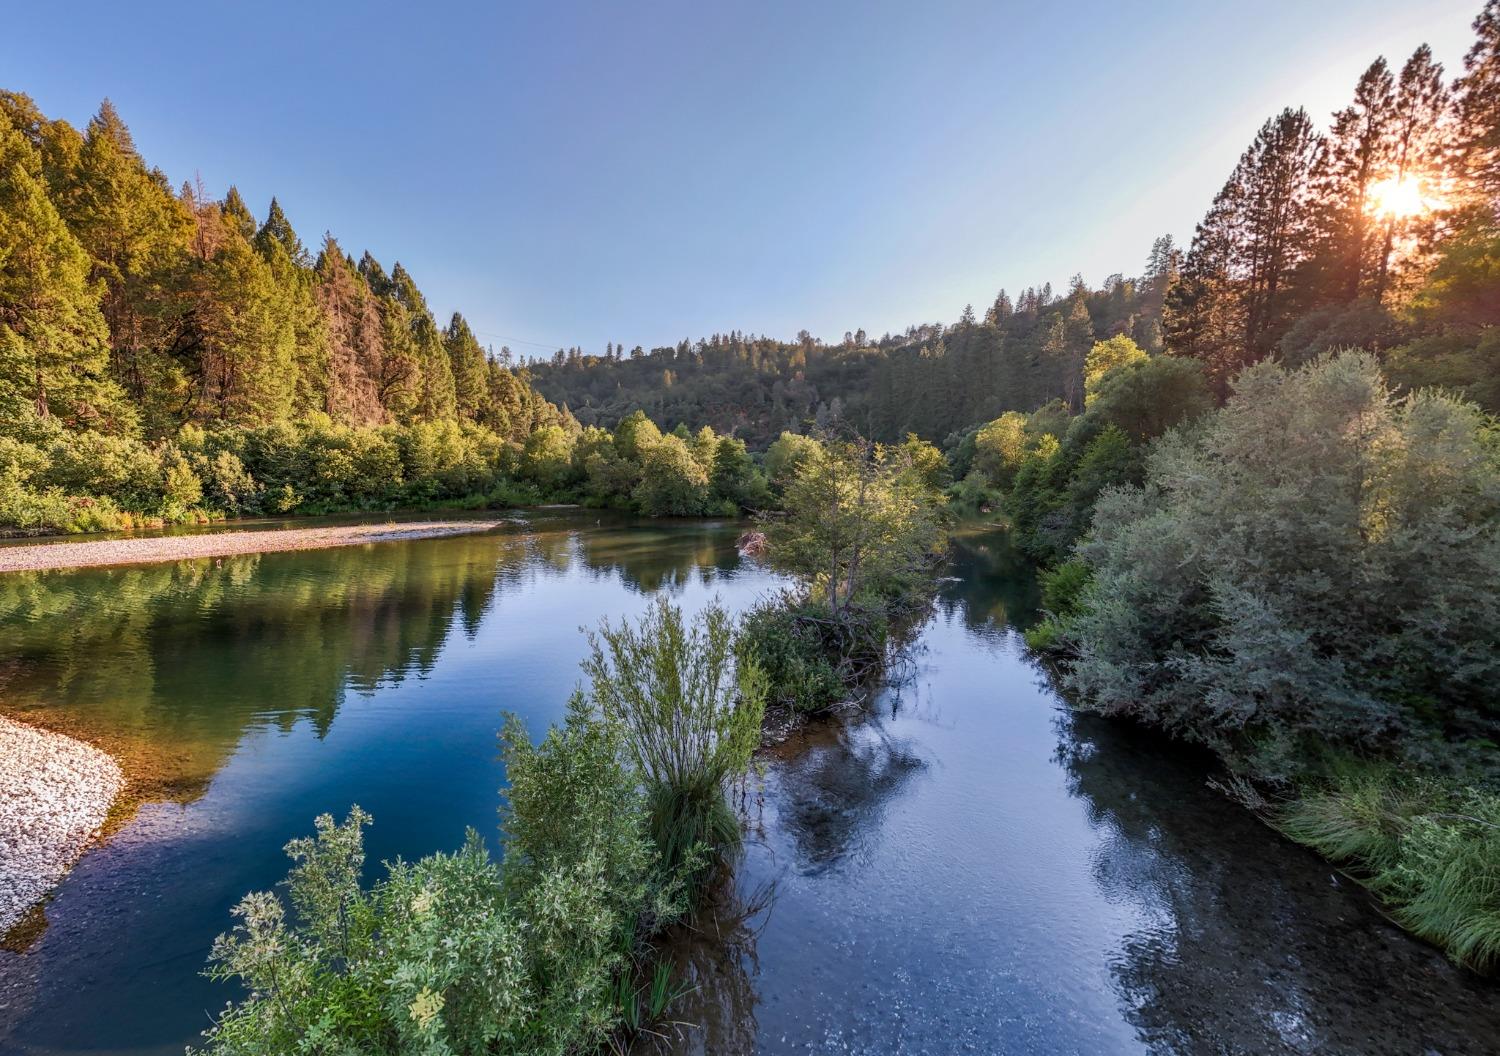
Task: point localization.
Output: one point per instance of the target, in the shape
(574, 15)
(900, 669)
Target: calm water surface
(969, 868)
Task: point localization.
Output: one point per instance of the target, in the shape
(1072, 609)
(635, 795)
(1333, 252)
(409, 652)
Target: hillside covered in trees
(165, 354)
(1377, 233)
(134, 309)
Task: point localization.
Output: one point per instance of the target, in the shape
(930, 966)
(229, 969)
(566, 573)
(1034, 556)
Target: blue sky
(574, 174)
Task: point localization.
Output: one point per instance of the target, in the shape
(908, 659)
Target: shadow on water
(1250, 944)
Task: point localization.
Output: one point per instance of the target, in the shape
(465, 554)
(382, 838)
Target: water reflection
(1250, 945)
(833, 783)
(248, 694)
(970, 867)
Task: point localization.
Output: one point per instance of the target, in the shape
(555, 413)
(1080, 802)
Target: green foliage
(673, 482)
(1319, 561)
(453, 953)
(54, 347)
(1429, 849)
(1105, 356)
(811, 659)
(690, 716)
(860, 518)
(1062, 596)
(1000, 447)
(790, 652)
(1461, 361)
(1053, 493)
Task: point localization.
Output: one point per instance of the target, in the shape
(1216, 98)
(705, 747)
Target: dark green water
(969, 868)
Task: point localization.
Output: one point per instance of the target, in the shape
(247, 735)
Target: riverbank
(55, 793)
(43, 556)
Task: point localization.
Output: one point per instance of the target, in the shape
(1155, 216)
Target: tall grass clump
(690, 716)
(1430, 851)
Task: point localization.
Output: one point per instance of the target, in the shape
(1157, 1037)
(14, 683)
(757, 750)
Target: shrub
(783, 639)
(452, 953)
(1321, 562)
(691, 718)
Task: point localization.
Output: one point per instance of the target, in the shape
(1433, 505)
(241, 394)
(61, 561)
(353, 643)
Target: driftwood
(752, 544)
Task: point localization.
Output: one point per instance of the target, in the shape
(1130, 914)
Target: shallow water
(968, 868)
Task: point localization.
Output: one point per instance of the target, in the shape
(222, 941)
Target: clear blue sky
(641, 172)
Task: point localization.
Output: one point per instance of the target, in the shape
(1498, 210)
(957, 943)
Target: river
(966, 867)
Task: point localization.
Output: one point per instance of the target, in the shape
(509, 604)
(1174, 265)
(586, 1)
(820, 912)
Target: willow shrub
(1316, 564)
(455, 953)
(690, 715)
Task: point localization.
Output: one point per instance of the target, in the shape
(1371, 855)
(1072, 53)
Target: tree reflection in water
(1253, 945)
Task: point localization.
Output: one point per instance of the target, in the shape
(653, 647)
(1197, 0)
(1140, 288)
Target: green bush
(454, 953)
(1320, 562)
(690, 713)
(812, 659)
(789, 648)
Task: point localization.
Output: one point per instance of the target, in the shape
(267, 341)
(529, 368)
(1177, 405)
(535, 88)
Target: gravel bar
(41, 556)
(54, 795)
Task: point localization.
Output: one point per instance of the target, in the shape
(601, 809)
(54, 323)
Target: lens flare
(1400, 198)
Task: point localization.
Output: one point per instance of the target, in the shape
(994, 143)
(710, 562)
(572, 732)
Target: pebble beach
(42, 556)
(55, 793)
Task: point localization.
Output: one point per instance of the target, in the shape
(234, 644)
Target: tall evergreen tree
(354, 336)
(1418, 156)
(54, 345)
(1235, 297)
(1478, 93)
(1353, 158)
(466, 359)
(435, 392)
(138, 234)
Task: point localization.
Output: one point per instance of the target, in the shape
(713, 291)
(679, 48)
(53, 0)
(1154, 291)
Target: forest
(1262, 479)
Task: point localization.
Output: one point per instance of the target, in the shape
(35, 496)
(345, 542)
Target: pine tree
(54, 345)
(355, 341)
(138, 234)
(245, 331)
(1354, 157)
(467, 361)
(1418, 152)
(1235, 297)
(237, 214)
(278, 228)
(435, 390)
(1478, 95)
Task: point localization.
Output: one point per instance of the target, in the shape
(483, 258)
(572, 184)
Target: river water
(967, 867)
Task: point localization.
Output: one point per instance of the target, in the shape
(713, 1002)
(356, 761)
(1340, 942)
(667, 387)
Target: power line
(520, 340)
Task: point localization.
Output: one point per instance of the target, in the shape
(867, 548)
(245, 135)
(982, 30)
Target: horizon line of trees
(1380, 233)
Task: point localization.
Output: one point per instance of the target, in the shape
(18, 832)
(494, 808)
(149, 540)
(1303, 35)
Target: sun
(1399, 198)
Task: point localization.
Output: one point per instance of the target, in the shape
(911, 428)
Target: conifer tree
(434, 376)
(1235, 296)
(355, 343)
(466, 360)
(54, 345)
(1353, 157)
(137, 233)
(1419, 145)
(1478, 93)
